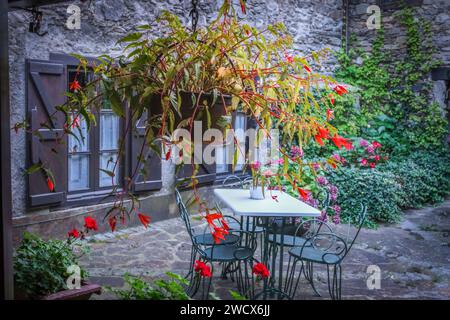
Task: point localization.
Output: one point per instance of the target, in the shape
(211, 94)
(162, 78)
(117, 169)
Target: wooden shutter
(46, 87)
(148, 174)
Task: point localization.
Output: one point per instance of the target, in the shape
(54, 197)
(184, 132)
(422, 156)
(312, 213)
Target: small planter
(257, 193)
(84, 293)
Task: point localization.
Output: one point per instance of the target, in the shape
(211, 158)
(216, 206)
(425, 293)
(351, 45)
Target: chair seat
(314, 255)
(227, 253)
(236, 226)
(288, 241)
(207, 239)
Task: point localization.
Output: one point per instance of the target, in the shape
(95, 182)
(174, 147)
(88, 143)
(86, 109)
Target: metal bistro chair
(204, 238)
(236, 252)
(325, 248)
(306, 229)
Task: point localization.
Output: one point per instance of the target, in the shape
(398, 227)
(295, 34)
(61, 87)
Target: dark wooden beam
(6, 270)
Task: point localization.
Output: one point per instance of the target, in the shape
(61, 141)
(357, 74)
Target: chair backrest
(247, 183)
(361, 219)
(232, 182)
(184, 213)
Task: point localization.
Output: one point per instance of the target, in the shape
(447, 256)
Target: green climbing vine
(394, 91)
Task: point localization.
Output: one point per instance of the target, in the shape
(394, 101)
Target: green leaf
(34, 168)
(131, 37)
(116, 104)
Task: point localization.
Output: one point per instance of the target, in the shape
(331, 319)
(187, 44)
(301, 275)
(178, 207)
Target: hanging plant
(206, 75)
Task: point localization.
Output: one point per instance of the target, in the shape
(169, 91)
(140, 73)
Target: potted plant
(43, 269)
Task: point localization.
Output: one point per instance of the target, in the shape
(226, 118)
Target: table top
(287, 206)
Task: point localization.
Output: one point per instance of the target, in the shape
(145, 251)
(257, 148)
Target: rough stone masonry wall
(314, 24)
(435, 11)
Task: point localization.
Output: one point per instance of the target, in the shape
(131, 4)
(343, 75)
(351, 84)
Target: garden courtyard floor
(413, 255)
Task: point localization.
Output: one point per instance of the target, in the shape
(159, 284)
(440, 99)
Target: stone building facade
(314, 24)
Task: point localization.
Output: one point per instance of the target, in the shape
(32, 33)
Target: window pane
(239, 127)
(109, 131)
(221, 163)
(78, 172)
(107, 162)
(81, 132)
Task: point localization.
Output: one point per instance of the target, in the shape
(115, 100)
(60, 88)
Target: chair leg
(193, 281)
(308, 271)
(206, 287)
(291, 283)
(191, 265)
(334, 281)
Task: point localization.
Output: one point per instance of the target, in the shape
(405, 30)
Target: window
(93, 155)
(78, 166)
(239, 131)
(223, 161)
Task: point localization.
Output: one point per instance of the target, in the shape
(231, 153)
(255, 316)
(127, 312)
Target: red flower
(225, 224)
(342, 142)
(74, 86)
(376, 144)
(112, 223)
(218, 235)
(322, 134)
(145, 220)
(330, 114)
(74, 233)
(202, 268)
(76, 122)
(372, 165)
(307, 68)
(319, 140)
(244, 11)
(331, 98)
(211, 217)
(364, 162)
(261, 270)
(50, 185)
(90, 223)
(289, 58)
(255, 165)
(168, 154)
(340, 90)
(376, 158)
(304, 194)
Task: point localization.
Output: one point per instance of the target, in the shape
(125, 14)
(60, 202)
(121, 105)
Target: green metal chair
(204, 238)
(326, 248)
(232, 250)
(306, 229)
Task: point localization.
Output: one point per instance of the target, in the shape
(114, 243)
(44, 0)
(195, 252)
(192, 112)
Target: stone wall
(435, 11)
(314, 25)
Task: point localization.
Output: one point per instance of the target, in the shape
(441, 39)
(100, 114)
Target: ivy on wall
(394, 92)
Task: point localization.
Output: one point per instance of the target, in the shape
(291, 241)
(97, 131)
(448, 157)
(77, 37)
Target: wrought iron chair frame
(332, 259)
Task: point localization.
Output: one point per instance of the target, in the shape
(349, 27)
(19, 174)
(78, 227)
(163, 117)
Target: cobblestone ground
(414, 258)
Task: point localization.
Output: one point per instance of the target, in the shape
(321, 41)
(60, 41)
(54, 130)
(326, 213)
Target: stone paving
(413, 255)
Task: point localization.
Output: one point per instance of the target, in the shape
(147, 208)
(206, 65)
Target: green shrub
(139, 289)
(41, 266)
(424, 178)
(408, 182)
(378, 190)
